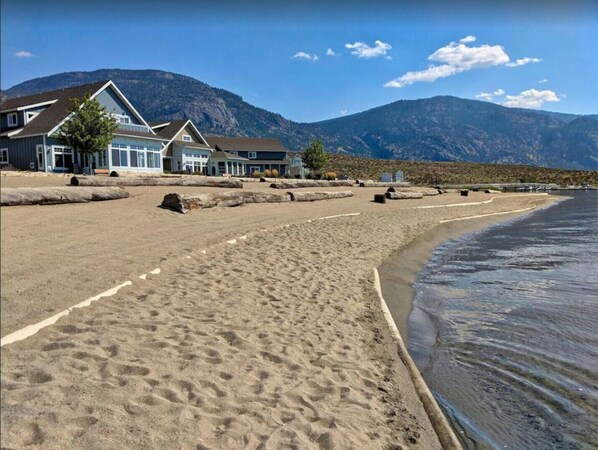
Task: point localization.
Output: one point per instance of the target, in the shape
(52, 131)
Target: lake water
(505, 330)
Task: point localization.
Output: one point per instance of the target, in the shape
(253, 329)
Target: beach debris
(425, 191)
(184, 203)
(403, 195)
(379, 198)
(294, 184)
(369, 183)
(315, 196)
(194, 180)
(464, 193)
(58, 195)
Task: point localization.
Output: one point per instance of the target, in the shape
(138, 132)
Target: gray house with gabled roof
(185, 149)
(28, 126)
(259, 153)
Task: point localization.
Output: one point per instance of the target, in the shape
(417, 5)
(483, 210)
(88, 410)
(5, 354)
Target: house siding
(22, 152)
(270, 156)
(113, 104)
(188, 131)
(4, 121)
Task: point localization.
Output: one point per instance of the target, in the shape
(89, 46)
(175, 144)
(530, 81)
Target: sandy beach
(261, 329)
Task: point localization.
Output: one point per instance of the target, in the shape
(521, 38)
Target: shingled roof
(229, 144)
(171, 129)
(53, 114)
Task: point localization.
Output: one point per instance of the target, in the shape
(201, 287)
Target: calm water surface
(505, 330)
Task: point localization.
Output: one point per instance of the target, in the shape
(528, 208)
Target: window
(253, 169)
(153, 160)
(252, 155)
(186, 138)
(235, 153)
(12, 119)
(29, 116)
(63, 158)
(119, 157)
(133, 154)
(4, 156)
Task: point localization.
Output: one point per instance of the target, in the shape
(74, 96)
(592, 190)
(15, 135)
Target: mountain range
(441, 128)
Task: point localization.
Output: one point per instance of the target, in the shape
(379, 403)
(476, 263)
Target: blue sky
(537, 54)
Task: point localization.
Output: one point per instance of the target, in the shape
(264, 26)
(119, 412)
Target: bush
(257, 174)
(267, 173)
(274, 173)
(330, 175)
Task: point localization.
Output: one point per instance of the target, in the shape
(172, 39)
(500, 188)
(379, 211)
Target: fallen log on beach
(184, 203)
(425, 191)
(289, 184)
(403, 195)
(315, 196)
(58, 195)
(383, 184)
(220, 182)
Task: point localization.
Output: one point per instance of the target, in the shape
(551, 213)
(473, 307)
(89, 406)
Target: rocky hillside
(435, 129)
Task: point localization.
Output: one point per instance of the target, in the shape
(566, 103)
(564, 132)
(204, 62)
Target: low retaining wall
(197, 181)
(58, 195)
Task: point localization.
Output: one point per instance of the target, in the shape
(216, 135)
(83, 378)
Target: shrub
(330, 175)
(257, 174)
(274, 173)
(267, 173)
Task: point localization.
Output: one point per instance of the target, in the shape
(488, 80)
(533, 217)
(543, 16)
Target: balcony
(133, 127)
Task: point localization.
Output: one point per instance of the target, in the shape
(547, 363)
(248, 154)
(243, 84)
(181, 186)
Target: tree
(89, 129)
(314, 157)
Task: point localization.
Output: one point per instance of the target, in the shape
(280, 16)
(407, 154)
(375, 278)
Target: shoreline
(290, 344)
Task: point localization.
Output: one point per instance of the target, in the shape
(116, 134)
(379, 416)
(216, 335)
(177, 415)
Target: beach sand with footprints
(261, 328)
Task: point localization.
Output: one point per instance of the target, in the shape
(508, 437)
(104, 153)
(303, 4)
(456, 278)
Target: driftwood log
(290, 184)
(185, 203)
(220, 182)
(383, 184)
(403, 195)
(315, 196)
(58, 195)
(425, 191)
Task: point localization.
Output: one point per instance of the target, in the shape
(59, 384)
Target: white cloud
(485, 96)
(523, 62)
(531, 98)
(467, 39)
(488, 96)
(308, 56)
(344, 112)
(543, 81)
(330, 52)
(456, 57)
(23, 54)
(362, 50)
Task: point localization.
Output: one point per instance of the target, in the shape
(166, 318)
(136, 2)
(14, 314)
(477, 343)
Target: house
(28, 126)
(258, 154)
(296, 169)
(185, 148)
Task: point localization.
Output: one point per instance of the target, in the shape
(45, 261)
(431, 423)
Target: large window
(63, 158)
(4, 156)
(135, 156)
(12, 119)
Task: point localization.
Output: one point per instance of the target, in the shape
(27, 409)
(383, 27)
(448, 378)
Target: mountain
(435, 129)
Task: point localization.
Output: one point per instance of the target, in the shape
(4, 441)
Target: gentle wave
(505, 330)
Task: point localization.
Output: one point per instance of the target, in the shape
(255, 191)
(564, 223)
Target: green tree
(89, 129)
(314, 157)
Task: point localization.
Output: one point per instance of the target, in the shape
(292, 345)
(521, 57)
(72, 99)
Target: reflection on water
(505, 330)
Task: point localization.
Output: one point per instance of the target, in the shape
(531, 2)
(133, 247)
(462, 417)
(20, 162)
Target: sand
(276, 341)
